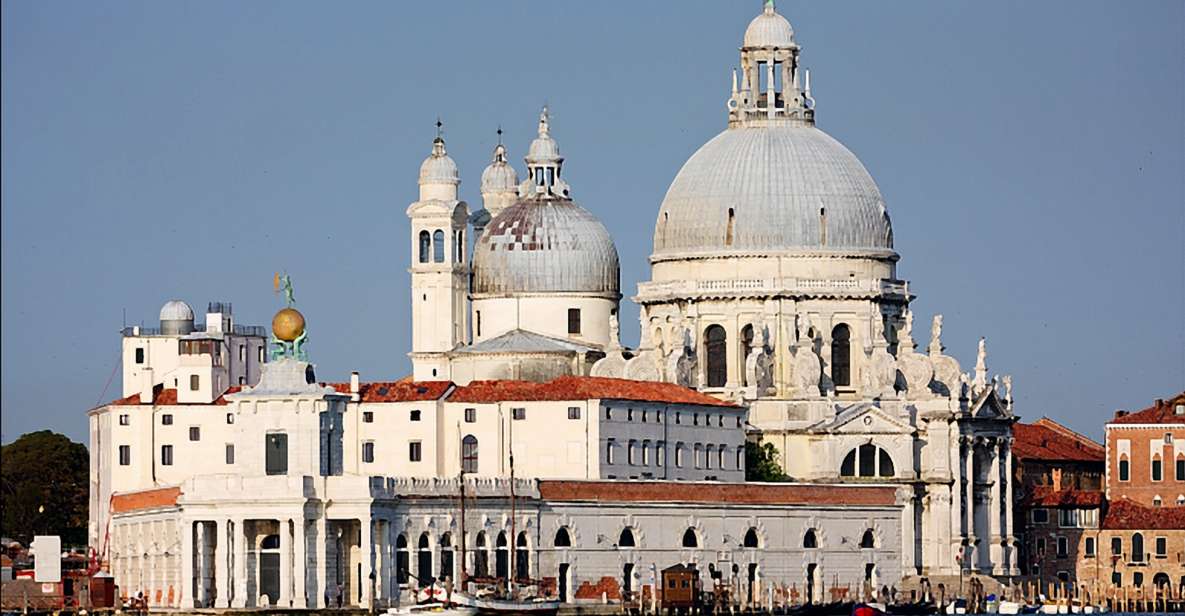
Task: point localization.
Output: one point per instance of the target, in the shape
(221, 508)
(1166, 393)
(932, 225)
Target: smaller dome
(176, 310)
(439, 168)
(500, 176)
(769, 29)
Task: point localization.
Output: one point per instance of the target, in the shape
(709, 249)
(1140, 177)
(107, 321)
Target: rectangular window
(679, 456)
(1168, 438)
(629, 414)
(518, 413)
(1063, 547)
(368, 451)
(660, 454)
(276, 450)
(195, 382)
(1089, 548)
(125, 420)
(608, 413)
(166, 455)
(573, 412)
(1117, 579)
(1181, 469)
(1067, 518)
(260, 358)
(478, 324)
(367, 416)
(1124, 470)
(166, 419)
(125, 455)
(242, 381)
(610, 445)
(470, 415)
(1157, 471)
(631, 453)
(230, 418)
(573, 320)
(415, 415)
(1116, 546)
(414, 451)
(139, 355)
(242, 352)
(1088, 518)
(1162, 547)
(695, 419)
(678, 418)
(230, 453)
(195, 433)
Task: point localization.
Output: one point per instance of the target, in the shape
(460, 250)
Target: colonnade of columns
(987, 529)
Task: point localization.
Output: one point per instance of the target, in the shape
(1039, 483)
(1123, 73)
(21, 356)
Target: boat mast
(462, 481)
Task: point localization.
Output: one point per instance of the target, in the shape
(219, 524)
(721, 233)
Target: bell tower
(439, 270)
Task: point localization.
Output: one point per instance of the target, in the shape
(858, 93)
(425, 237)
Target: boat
(434, 608)
(1008, 607)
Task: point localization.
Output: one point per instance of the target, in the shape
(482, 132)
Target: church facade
(774, 313)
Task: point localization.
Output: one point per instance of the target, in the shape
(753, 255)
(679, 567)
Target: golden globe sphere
(288, 324)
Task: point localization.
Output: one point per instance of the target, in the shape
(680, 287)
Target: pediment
(863, 418)
(989, 406)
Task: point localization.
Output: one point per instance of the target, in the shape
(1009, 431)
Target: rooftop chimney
(1120, 413)
(355, 387)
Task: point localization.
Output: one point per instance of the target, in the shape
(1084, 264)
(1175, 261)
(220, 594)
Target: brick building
(1146, 455)
(1139, 548)
(1058, 479)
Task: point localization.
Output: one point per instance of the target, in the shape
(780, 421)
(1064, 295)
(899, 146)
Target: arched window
(481, 559)
(716, 352)
(746, 348)
(270, 542)
(868, 540)
(425, 246)
(751, 540)
(809, 540)
(562, 538)
(402, 559)
(841, 358)
(501, 557)
(886, 465)
(469, 454)
(1137, 555)
(459, 245)
(728, 230)
(1157, 468)
(446, 556)
(699, 455)
(438, 246)
(741, 458)
(720, 456)
(867, 460)
(690, 540)
(424, 559)
(1124, 469)
(522, 557)
(626, 539)
(632, 452)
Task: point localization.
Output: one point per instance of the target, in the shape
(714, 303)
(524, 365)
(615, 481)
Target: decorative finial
(769, 6)
(289, 333)
(936, 335)
(543, 121)
(981, 364)
(499, 134)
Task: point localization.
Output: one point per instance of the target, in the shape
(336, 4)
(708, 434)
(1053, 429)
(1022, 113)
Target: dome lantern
(773, 86)
(439, 176)
(544, 163)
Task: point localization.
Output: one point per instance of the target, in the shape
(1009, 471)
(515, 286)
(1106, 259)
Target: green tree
(44, 480)
(761, 463)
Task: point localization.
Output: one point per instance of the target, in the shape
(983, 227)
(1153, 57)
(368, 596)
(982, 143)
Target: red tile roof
(733, 493)
(1123, 514)
(397, 391)
(145, 499)
(583, 388)
(1046, 496)
(1047, 440)
(168, 397)
(1162, 413)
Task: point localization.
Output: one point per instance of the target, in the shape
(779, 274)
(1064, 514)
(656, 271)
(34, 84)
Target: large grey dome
(776, 187)
(545, 245)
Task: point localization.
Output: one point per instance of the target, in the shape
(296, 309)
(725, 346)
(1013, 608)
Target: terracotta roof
(733, 493)
(168, 397)
(145, 499)
(1161, 413)
(1046, 496)
(1047, 440)
(583, 388)
(396, 391)
(1123, 514)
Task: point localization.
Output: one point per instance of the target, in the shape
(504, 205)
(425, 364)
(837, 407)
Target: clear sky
(1032, 155)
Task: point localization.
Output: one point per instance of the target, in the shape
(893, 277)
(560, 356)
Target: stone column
(240, 559)
(969, 463)
(385, 562)
(908, 548)
(956, 498)
(285, 598)
(995, 553)
(222, 564)
(1009, 533)
(367, 551)
(301, 561)
(187, 587)
(321, 583)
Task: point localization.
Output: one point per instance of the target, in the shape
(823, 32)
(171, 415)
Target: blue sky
(1032, 156)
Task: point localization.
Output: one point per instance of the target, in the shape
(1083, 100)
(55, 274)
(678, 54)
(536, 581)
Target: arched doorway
(841, 357)
(811, 570)
(522, 557)
(565, 571)
(269, 569)
(481, 556)
(446, 557)
(402, 560)
(424, 561)
(627, 582)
